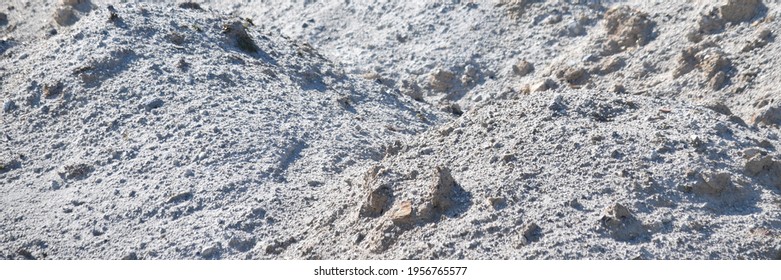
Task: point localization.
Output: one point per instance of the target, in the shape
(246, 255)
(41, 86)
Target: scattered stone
(708, 23)
(441, 80)
(621, 224)
(470, 75)
(382, 237)
(544, 85)
(714, 63)
(452, 108)
(410, 88)
(575, 75)
(609, 65)
(52, 91)
(211, 251)
(522, 68)
(575, 28)
(394, 148)
(530, 231)
(618, 88)
(740, 10)
(73, 2)
(686, 62)
(402, 213)
(3, 19)
(113, 15)
(442, 192)
(713, 183)
(277, 247)
(64, 16)
(765, 167)
(497, 202)
(552, 19)
(379, 198)
(77, 171)
(627, 28)
(619, 212)
(574, 203)
(237, 33)
(442, 188)
(761, 38)
(527, 235)
(515, 8)
(54, 185)
(768, 115)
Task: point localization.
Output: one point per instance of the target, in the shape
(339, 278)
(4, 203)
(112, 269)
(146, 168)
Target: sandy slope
(374, 129)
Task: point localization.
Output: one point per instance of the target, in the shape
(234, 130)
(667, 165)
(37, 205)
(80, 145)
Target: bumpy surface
(512, 129)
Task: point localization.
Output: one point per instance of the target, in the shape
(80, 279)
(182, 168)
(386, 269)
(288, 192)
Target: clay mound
(160, 132)
(569, 175)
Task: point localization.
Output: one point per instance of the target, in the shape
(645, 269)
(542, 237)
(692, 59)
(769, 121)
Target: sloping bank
(175, 132)
(571, 174)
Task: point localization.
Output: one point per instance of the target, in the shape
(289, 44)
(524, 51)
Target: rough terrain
(508, 129)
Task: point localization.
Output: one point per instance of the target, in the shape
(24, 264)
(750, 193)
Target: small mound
(570, 175)
(156, 127)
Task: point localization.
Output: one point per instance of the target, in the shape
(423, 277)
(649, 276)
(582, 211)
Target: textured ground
(376, 129)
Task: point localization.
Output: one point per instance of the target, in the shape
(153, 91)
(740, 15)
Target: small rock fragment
(544, 85)
(522, 68)
(211, 251)
(528, 234)
(618, 211)
(761, 38)
(768, 115)
(237, 33)
(627, 28)
(442, 188)
(575, 75)
(77, 171)
(402, 213)
(713, 183)
(515, 8)
(609, 65)
(64, 16)
(379, 197)
(759, 164)
(739, 10)
(52, 91)
(470, 75)
(497, 202)
(712, 61)
(441, 80)
(410, 88)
